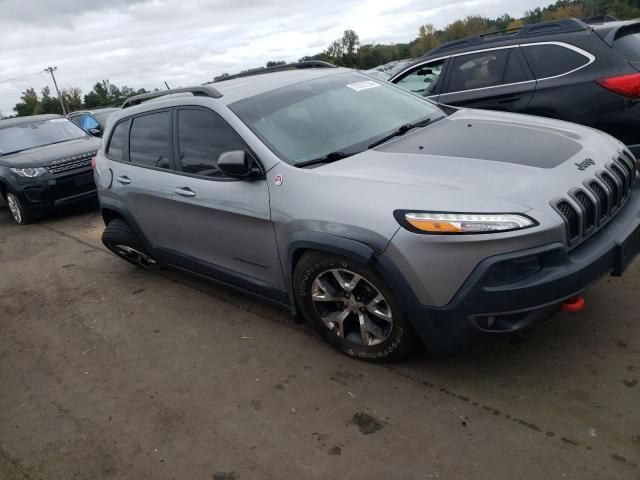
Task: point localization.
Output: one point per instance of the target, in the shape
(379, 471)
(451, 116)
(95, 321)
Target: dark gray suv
(379, 216)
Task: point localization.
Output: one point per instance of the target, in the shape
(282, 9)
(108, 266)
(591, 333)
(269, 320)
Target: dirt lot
(107, 371)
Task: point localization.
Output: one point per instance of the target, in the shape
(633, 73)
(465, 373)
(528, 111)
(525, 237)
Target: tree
(48, 103)
(275, 63)
(427, 40)
(72, 98)
(30, 105)
(105, 94)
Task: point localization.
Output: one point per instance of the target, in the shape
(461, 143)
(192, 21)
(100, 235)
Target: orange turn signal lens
(434, 226)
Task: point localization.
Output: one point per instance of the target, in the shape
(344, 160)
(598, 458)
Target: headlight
(461, 223)
(29, 172)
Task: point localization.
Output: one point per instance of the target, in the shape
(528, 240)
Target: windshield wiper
(400, 131)
(328, 158)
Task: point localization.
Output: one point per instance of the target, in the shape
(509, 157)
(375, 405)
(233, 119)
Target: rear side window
(552, 60)
(486, 69)
(150, 140)
(115, 151)
(628, 44)
(202, 137)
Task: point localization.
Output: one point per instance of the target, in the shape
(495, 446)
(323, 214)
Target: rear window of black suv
(550, 60)
(628, 43)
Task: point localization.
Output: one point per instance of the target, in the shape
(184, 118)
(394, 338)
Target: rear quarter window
(552, 60)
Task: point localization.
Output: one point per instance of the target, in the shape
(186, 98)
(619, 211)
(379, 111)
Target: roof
(95, 110)
(10, 122)
(609, 31)
(509, 37)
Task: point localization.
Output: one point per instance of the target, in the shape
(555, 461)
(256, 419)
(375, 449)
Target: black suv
(568, 69)
(45, 162)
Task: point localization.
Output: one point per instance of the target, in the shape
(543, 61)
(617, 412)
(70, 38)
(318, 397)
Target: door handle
(508, 100)
(185, 192)
(123, 180)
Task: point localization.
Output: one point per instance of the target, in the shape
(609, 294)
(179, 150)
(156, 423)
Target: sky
(143, 43)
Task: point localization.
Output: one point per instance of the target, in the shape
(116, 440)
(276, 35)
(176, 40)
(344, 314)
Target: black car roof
(509, 37)
(9, 122)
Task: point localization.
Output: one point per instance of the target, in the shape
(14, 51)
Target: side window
(115, 150)
(552, 60)
(478, 70)
(202, 137)
(150, 140)
(424, 79)
(75, 119)
(516, 70)
(88, 122)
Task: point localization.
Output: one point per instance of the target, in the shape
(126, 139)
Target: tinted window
(150, 140)
(478, 70)
(424, 79)
(202, 137)
(629, 44)
(552, 60)
(516, 70)
(115, 150)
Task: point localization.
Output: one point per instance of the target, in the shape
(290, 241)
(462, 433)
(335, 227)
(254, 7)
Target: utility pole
(51, 70)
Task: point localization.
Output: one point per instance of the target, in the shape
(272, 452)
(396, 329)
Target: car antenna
(167, 85)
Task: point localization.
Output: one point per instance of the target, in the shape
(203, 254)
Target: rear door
(142, 148)
(496, 79)
(224, 224)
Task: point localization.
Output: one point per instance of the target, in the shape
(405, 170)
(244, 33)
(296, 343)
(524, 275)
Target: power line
(7, 80)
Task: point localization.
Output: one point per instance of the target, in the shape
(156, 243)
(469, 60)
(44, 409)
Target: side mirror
(96, 132)
(237, 164)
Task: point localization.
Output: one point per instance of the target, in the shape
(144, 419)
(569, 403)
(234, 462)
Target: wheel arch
(111, 210)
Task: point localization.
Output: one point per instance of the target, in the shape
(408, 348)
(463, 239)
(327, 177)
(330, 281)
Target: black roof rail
(201, 91)
(599, 19)
(526, 31)
(277, 68)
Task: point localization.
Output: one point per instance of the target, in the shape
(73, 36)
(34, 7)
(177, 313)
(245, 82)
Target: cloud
(142, 43)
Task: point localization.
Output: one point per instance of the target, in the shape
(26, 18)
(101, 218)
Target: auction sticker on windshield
(364, 85)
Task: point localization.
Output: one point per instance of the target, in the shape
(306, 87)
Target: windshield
(629, 44)
(38, 134)
(101, 117)
(337, 113)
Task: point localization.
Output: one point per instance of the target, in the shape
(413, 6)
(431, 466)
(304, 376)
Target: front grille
(73, 162)
(588, 208)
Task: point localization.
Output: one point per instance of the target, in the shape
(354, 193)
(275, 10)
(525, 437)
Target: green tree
(275, 63)
(427, 40)
(49, 104)
(72, 98)
(29, 104)
(105, 94)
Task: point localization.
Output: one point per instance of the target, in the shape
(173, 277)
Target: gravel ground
(107, 371)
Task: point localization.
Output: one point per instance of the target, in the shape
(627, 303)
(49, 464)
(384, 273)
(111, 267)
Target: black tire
(19, 216)
(119, 234)
(396, 341)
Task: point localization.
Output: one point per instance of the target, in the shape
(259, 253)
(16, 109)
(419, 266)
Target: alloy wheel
(134, 255)
(14, 207)
(352, 307)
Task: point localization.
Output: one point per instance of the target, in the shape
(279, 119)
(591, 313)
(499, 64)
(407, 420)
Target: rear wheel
(121, 240)
(352, 308)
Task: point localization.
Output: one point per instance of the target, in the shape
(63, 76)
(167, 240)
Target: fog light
(511, 271)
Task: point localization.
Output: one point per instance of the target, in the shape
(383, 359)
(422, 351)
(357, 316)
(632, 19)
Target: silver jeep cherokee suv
(384, 219)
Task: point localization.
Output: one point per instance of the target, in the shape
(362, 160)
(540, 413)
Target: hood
(43, 156)
(482, 160)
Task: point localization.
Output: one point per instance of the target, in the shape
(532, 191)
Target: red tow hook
(574, 304)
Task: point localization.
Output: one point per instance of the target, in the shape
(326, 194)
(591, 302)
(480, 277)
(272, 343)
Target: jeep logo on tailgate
(583, 165)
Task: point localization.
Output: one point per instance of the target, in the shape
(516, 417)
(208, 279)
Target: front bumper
(41, 194)
(480, 307)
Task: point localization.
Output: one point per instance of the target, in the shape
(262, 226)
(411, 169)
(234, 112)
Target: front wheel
(17, 211)
(352, 308)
